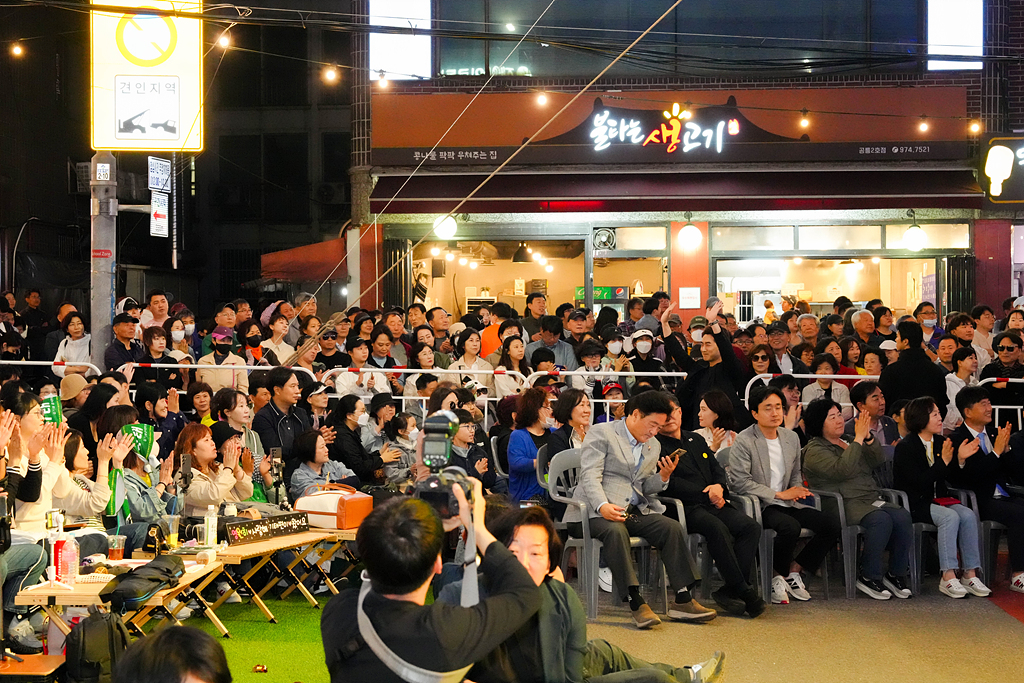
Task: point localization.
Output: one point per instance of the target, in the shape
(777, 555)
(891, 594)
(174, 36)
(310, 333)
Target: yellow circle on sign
(164, 53)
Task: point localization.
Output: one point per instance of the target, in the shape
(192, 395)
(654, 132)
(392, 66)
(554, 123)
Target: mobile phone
(275, 454)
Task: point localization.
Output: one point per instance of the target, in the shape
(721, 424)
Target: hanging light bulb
(915, 238)
(975, 127)
(549, 269)
(536, 256)
(449, 256)
(382, 81)
(923, 126)
(473, 265)
(463, 261)
(543, 262)
(330, 74)
(690, 236)
(798, 260)
(435, 251)
(542, 99)
(17, 50)
(224, 40)
(444, 227)
(876, 260)
(804, 121)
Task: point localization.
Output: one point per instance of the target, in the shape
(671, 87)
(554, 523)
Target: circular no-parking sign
(146, 40)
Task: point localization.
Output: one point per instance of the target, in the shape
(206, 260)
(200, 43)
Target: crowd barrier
(1016, 409)
(50, 363)
(770, 375)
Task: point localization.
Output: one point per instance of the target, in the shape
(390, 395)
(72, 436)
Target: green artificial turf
(290, 649)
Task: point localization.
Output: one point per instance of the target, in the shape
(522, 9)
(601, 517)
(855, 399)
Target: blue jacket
(522, 474)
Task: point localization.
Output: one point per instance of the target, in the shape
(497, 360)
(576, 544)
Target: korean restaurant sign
(678, 134)
(1002, 169)
(147, 76)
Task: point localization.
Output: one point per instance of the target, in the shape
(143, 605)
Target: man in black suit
(985, 470)
(701, 483)
(915, 375)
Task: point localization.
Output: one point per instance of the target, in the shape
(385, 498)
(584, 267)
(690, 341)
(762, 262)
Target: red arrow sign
(159, 216)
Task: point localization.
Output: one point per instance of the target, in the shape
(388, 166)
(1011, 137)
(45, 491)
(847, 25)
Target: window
(955, 27)
(286, 173)
(839, 237)
(400, 56)
(285, 71)
(939, 236)
(752, 239)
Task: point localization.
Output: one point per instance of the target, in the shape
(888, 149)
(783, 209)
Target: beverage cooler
(615, 297)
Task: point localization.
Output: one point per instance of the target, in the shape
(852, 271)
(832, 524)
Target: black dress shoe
(731, 604)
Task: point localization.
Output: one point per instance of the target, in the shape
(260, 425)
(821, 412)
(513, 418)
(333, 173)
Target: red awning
(800, 190)
(307, 263)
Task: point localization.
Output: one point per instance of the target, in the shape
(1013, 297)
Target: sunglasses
(760, 356)
(1006, 348)
(329, 335)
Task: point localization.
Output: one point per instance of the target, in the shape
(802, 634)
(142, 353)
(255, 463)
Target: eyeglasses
(760, 356)
(329, 335)
(1006, 348)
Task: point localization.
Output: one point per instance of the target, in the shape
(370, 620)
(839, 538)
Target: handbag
(335, 506)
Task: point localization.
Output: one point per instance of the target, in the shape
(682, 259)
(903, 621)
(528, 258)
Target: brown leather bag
(335, 506)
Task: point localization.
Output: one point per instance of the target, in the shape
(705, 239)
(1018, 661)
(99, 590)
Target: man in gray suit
(764, 461)
(619, 478)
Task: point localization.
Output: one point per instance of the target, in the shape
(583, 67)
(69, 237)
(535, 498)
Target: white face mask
(177, 335)
(615, 348)
(696, 335)
(930, 322)
(414, 434)
(364, 419)
(190, 329)
(481, 402)
(549, 422)
(643, 346)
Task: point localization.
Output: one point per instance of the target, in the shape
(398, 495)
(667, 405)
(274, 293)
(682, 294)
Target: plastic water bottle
(66, 549)
(210, 526)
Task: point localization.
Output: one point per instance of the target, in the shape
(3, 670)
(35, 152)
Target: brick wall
(1015, 72)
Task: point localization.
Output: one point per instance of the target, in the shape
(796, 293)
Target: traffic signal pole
(103, 268)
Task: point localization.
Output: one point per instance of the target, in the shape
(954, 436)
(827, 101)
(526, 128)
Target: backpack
(130, 591)
(94, 647)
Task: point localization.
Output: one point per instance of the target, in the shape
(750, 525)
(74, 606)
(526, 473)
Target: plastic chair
(920, 529)
(851, 534)
(494, 457)
(987, 529)
(542, 466)
(563, 476)
(722, 456)
(766, 547)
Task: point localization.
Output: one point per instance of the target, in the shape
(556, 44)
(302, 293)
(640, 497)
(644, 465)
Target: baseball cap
(456, 328)
(124, 318)
(888, 345)
(698, 321)
(778, 327)
(613, 385)
(577, 315)
(126, 304)
(642, 333)
(379, 401)
(222, 332)
(674, 319)
(71, 386)
(313, 389)
(222, 431)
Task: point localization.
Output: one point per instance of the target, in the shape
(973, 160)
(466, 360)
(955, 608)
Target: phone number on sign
(915, 149)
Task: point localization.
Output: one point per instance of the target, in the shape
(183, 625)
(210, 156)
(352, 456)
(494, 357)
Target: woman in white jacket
(82, 499)
(467, 346)
(512, 359)
(75, 347)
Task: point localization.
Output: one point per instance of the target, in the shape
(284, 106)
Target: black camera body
(436, 451)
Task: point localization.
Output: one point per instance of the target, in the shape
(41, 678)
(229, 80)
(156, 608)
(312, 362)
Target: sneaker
(1018, 583)
(22, 637)
(897, 585)
(711, 671)
(222, 588)
(39, 620)
(729, 603)
(604, 579)
(644, 616)
(873, 588)
(795, 587)
(184, 613)
(691, 611)
(976, 587)
(780, 596)
(952, 588)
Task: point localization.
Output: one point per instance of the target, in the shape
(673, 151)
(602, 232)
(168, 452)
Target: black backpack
(94, 647)
(130, 591)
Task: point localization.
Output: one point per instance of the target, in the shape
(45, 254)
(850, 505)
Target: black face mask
(11, 355)
(222, 349)
(253, 340)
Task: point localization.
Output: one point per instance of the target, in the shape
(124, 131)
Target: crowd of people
(270, 403)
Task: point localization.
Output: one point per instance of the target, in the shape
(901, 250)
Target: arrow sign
(158, 214)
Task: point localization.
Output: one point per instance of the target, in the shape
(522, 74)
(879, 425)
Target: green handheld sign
(143, 437)
(52, 410)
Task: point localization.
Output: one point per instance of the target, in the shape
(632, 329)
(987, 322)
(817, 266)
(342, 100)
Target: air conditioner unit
(332, 193)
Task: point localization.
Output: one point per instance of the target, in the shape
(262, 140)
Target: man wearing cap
(551, 339)
(778, 340)
(892, 353)
(576, 326)
(74, 389)
(123, 347)
(233, 374)
(225, 317)
(643, 358)
(676, 346)
(718, 369)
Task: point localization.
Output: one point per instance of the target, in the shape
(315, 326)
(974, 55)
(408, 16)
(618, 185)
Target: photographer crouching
(400, 544)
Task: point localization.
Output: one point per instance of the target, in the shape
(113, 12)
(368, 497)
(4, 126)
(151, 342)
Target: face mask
(364, 419)
(414, 434)
(177, 336)
(190, 329)
(222, 349)
(930, 322)
(7, 355)
(696, 335)
(481, 402)
(253, 340)
(549, 422)
(643, 346)
(615, 348)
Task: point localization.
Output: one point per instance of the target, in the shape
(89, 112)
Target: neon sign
(1000, 162)
(678, 132)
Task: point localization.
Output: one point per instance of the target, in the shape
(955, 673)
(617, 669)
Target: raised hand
(36, 443)
(947, 451)
(481, 465)
(232, 450)
(173, 401)
(793, 416)
(8, 423)
(54, 445)
(328, 433)
(712, 313)
(247, 461)
(1002, 439)
(717, 437)
(389, 454)
(371, 381)
(967, 449)
(14, 451)
(666, 466)
(167, 472)
(862, 427)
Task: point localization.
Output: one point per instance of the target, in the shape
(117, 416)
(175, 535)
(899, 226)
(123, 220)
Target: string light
(463, 261)
(436, 251)
(687, 114)
(542, 99)
(473, 265)
(17, 50)
(536, 256)
(383, 81)
(876, 260)
(923, 126)
(224, 40)
(543, 262)
(549, 269)
(975, 127)
(804, 121)
(330, 74)
(449, 256)
(510, 26)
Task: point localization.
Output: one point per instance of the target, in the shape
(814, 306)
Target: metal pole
(174, 210)
(103, 269)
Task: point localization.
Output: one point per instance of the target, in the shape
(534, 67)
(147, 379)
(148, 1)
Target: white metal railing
(51, 363)
(772, 375)
(1008, 380)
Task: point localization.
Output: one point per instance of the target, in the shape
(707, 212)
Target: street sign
(159, 174)
(147, 77)
(158, 214)
(1002, 169)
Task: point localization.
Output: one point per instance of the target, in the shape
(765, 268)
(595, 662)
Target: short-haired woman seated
(316, 467)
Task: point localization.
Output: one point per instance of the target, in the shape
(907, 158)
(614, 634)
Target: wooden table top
(236, 554)
(85, 594)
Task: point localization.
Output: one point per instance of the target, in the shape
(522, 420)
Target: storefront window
(752, 238)
(939, 236)
(833, 237)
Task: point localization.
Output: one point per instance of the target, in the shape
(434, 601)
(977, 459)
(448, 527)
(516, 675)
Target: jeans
(886, 527)
(21, 566)
(957, 523)
(607, 663)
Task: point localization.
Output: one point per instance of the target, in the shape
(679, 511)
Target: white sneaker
(953, 588)
(183, 613)
(222, 588)
(795, 586)
(1018, 583)
(604, 579)
(976, 587)
(780, 595)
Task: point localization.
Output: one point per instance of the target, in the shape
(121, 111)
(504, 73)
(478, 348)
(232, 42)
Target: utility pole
(103, 269)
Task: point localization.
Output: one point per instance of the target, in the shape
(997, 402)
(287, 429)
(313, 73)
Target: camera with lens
(436, 451)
